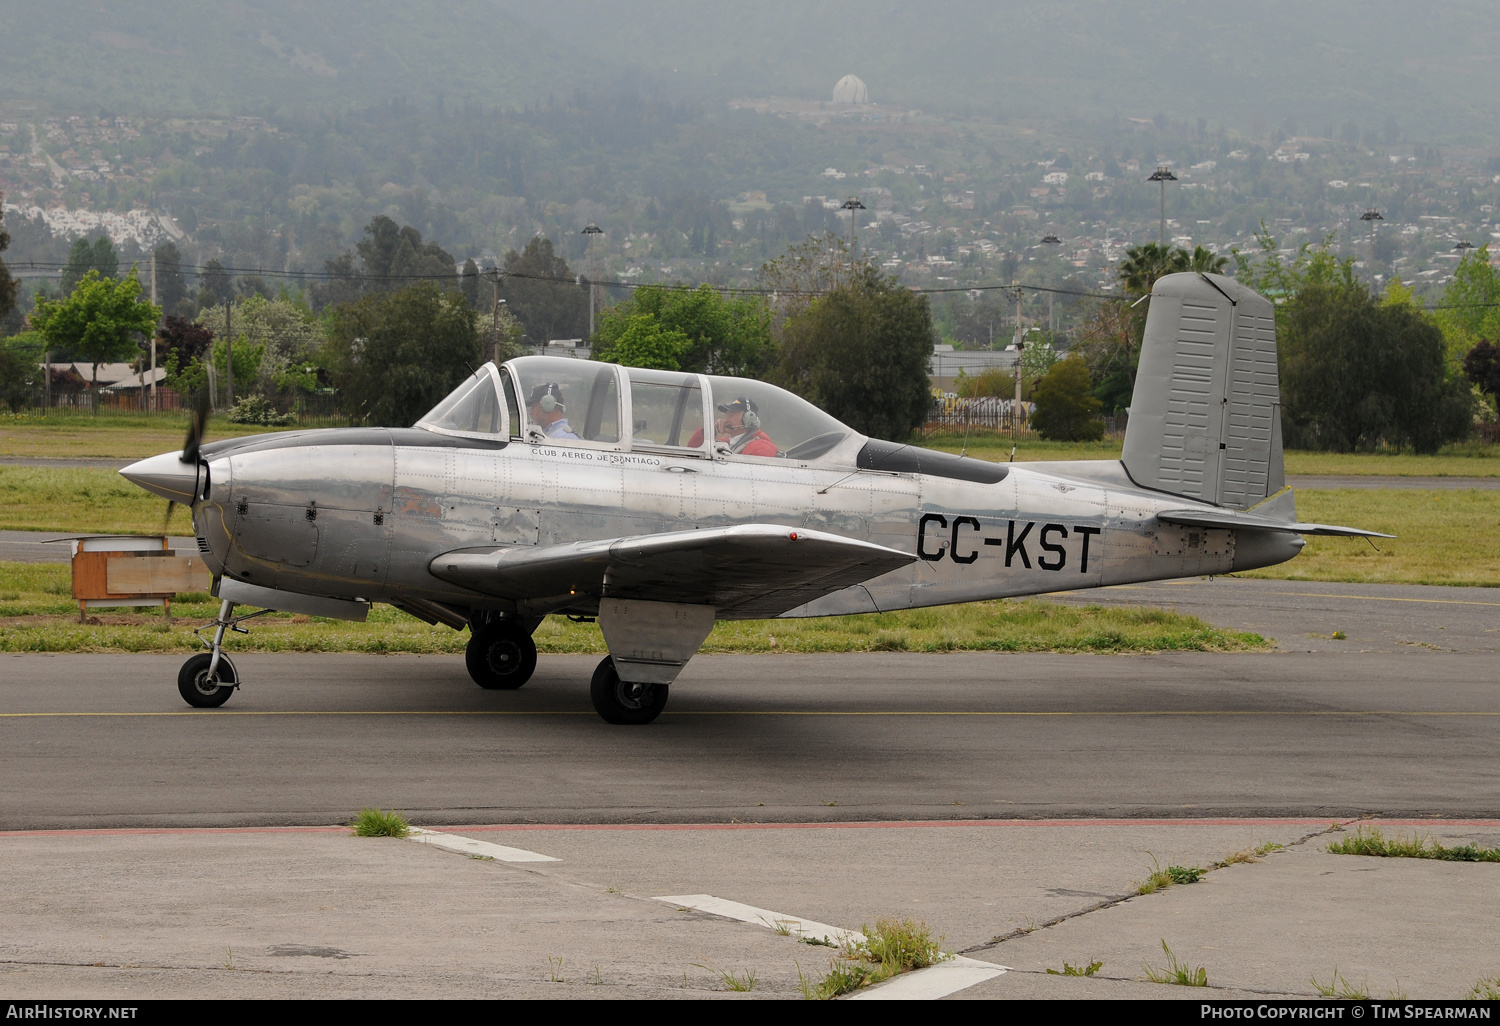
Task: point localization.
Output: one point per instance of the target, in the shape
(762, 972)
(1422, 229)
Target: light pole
(1051, 240)
(852, 204)
(591, 230)
(1015, 412)
(1462, 247)
(1163, 174)
(1372, 215)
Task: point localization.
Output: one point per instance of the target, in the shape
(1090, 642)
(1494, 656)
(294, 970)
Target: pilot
(740, 427)
(547, 411)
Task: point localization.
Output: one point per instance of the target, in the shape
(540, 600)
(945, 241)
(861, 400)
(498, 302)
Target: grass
(740, 982)
(374, 823)
(1160, 879)
(1485, 990)
(1069, 969)
(1175, 972)
(1370, 841)
(1465, 459)
(37, 614)
(81, 436)
(891, 948)
(1248, 855)
(1445, 537)
(1340, 987)
(79, 500)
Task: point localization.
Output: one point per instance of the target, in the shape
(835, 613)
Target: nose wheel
(501, 655)
(625, 702)
(204, 687)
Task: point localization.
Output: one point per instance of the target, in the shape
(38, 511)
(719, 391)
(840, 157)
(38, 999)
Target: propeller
(191, 445)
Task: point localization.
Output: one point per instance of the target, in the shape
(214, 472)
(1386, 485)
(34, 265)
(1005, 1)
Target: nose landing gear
(208, 679)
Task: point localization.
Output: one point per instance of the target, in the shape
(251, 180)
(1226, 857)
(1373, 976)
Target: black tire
(623, 702)
(195, 687)
(501, 656)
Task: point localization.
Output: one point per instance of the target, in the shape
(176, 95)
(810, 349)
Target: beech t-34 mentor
(660, 502)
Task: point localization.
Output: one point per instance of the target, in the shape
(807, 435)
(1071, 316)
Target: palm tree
(1205, 261)
(1144, 264)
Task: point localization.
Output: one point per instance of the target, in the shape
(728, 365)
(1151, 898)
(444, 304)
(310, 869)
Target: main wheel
(501, 656)
(622, 701)
(199, 689)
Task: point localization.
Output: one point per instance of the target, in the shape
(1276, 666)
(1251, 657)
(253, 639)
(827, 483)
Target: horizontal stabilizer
(1236, 520)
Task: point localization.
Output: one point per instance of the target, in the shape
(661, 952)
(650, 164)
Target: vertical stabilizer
(1205, 419)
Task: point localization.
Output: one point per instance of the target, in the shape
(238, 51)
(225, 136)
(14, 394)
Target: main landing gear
(208, 679)
(501, 655)
(625, 702)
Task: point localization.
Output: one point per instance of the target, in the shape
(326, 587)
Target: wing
(746, 572)
(1235, 520)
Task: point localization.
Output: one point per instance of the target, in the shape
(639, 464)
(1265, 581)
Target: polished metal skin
(635, 486)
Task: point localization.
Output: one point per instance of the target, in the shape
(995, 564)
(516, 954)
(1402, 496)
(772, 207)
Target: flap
(1234, 519)
(745, 572)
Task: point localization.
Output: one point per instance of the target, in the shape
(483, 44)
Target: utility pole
(1015, 413)
(495, 277)
(591, 230)
(852, 204)
(153, 336)
(229, 354)
(1372, 215)
(1051, 240)
(1163, 174)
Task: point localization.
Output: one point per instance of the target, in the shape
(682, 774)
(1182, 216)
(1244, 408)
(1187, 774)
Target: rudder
(1205, 418)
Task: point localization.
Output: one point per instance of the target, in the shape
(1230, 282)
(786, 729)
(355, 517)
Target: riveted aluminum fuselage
(361, 513)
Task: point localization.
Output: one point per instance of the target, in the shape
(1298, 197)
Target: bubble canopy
(565, 401)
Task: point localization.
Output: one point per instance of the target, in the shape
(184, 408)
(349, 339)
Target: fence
(951, 414)
(321, 410)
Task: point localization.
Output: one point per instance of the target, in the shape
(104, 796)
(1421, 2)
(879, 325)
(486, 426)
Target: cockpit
(547, 400)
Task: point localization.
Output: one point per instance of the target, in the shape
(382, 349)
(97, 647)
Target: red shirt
(760, 444)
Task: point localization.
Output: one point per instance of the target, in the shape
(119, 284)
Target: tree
(862, 353)
(84, 257)
(20, 368)
(393, 257)
(217, 283)
(171, 284)
(1470, 310)
(1482, 365)
(1357, 373)
(640, 340)
(469, 282)
(7, 283)
(1066, 409)
(1143, 265)
(992, 381)
(393, 355)
(541, 293)
(100, 320)
(719, 335)
(291, 338)
(816, 265)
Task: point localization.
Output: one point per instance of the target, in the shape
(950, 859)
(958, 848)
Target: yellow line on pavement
(752, 712)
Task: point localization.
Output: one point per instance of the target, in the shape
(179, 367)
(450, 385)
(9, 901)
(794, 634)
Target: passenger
(740, 427)
(547, 411)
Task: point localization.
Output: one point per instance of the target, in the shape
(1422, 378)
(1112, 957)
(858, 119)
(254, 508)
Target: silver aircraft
(659, 502)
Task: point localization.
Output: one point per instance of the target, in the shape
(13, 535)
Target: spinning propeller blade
(196, 428)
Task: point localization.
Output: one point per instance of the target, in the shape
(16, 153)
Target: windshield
(473, 408)
(752, 418)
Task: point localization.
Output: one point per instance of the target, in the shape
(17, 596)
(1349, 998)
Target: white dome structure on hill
(851, 89)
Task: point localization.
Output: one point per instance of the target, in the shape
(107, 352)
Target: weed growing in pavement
(1069, 969)
(555, 969)
(1248, 855)
(483, 858)
(1175, 972)
(1160, 878)
(783, 927)
(741, 983)
(228, 958)
(891, 948)
(1485, 990)
(374, 823)
(1340, 987)
(819, 942)
(1370, 841)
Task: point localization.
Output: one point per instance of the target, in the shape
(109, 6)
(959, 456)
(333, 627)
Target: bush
(1066, 408)
(254, 409)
